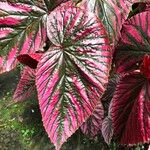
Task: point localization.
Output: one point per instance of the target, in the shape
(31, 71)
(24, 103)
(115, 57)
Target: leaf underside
(21, 31)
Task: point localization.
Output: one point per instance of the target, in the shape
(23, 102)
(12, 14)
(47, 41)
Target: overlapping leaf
(113, 13)
(107, 129)
(135, 42)
(22, 30)
(138, 8)
(26, 85)
(72, 75)
(30, 60)
(94, 123)
(130, 109)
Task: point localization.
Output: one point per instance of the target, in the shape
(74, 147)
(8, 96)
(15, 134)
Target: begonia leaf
(130, 109)
(21, 31)
(113, 13)
(72, 75)
(134, 43)
(107, 129)
(52, 4)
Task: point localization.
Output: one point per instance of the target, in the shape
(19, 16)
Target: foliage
(89, 61)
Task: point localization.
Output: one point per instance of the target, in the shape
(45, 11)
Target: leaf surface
(130, 109)
(31, 60)
(22, 31)
(72, 75)
(113, 13)
(134, 43)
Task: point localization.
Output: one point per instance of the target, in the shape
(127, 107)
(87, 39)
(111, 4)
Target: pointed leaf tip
(107, 129)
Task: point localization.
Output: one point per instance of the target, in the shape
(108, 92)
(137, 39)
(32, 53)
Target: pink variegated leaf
(4, 32)
(21, 31)
(30, 44)
(72, 75)
(134, 42)
(7, 21)
(31, 60)
(6, 7)
(113, 13)
(26, 85)
(93, 125)
(107, 129)
(37, 3)
(130, 109)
